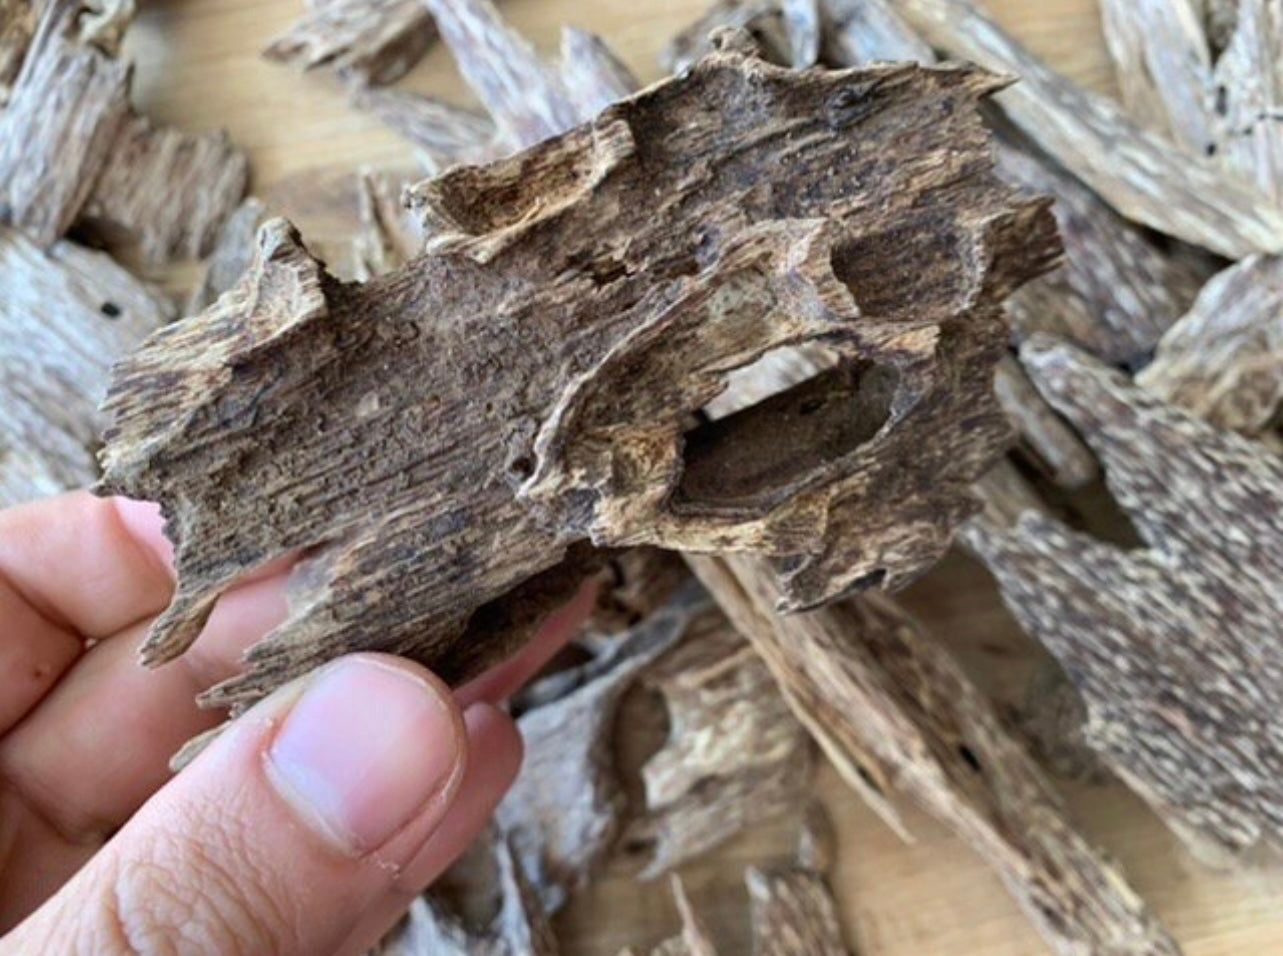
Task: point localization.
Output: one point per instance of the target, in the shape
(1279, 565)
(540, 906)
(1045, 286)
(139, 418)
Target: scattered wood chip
(170, 192)
(1247, 96)
(895, 712)
(68, 104)
(786, 31)
(66, 314)
(564, 812)
(1224, 360)
(593, 75)
(1048, 440)
(399, 497)
(1135, 171)
(1164, 67)
(1173, 647)
(232, 254)
(17, 24)
(71, 149)
(443, 134)
(793, 913)
(366, 42)
(484, 905)
(734, 756)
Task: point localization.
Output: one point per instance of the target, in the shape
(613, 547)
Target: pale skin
(307, 827)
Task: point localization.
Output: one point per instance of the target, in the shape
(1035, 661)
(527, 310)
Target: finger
(100, 743)
(284, 831)
(503, 680)
(81, 565)
(34, 653)
(494, 748)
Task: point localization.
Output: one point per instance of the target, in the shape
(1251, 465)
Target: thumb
(326, 803)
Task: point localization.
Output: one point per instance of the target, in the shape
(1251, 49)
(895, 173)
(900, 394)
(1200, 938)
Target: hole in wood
(969, 758)
(110, 309)
(752, 459)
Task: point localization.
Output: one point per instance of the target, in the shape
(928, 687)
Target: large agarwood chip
(564, 811)
(442, 433)
(365, 41)
(1138, 172)
(734, 755)
(1224, 360)
(895, 713)
(66, 314)
(1175, 648)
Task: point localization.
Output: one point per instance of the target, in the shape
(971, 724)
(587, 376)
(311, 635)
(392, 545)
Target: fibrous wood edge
(1223, 361)
(896, 713)
(66, 314)
(366, 42)
(1174, 648)
(489, 878)
(231, 255)
(734, 755)
(72, 150)
(309, 390)
(564, 812)
(1135, 171)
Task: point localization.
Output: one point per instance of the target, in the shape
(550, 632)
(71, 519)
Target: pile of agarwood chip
(755, 346)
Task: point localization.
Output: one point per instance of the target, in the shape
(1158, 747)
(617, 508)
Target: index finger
(92, 566)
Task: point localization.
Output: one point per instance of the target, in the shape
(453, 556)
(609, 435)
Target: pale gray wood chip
(369, 42)
(1247, 97)
(1224, 360)
(66, 315)
(593, 76)
(1137, 172)
(1174, 647)
(443, 134)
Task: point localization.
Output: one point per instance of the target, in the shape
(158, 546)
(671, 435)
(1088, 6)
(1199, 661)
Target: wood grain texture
(1174, 646)
(199, 67)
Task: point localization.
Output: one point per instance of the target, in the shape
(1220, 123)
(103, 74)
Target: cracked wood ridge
(443, 433)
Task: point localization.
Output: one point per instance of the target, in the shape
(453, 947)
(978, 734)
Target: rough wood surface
(734, 755)
(583, 433)
(1139, 173)
(895, 713)
(1173, 647)
(1224, 360)
(368, 42)
(66, 314)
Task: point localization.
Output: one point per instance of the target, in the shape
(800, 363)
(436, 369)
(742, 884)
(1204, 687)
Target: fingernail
(364, 750)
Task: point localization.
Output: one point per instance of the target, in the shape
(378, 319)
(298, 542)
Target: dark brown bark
(301, 413)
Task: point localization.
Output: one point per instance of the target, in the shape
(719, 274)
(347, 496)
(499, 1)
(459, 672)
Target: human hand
(306, 827)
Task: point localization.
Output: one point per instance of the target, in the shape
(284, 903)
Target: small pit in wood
(755, 458)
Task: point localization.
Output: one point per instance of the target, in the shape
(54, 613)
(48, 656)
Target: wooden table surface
(198, 67)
